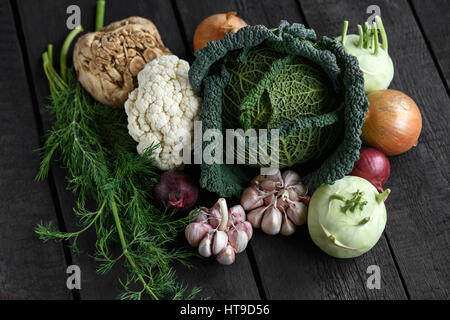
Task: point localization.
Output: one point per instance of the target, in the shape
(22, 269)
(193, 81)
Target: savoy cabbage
(308, 88)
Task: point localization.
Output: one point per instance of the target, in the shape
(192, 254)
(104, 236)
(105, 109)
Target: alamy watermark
(74, 279)
(252, 147)
(374, 280)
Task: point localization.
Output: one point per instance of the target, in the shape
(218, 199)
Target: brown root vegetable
(107, 62)
(215, 27)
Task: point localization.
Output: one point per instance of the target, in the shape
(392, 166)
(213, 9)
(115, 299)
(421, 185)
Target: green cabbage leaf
(287, 79)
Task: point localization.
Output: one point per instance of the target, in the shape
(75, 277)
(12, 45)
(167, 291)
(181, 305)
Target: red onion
(373, 166)
(176, 190)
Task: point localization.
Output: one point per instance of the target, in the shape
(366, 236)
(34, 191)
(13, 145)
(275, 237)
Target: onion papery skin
(393, 122)
(215, 27)
(373, 166)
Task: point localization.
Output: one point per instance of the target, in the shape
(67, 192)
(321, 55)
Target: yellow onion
(393, 122)
(215, 27)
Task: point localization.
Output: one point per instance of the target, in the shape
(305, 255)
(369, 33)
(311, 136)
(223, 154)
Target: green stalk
(53, 77)
(366, 35)
(344, 32)
(361, 37)
(50, 53)
(384, 38)
(65, 48)
(100, 16)
(371, 36)
(377, 45)
(126, 253)
(380, 197)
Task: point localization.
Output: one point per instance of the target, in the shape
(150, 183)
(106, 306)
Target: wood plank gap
(429, 46)
(402, 279)
(40, 129)
(256, 272)
(176, 10)
(360, 277)
(302, 13)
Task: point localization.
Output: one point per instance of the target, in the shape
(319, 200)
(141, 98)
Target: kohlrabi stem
(371, 36)
(361, 36)
(381, 196)
(366, 35)
(100, 16)
(65, 48)
(344, 32)
(337, 197)
(384, 39)
(224, 212)
(377, 45)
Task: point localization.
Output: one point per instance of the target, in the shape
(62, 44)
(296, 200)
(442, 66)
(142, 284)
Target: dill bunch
(92, 141)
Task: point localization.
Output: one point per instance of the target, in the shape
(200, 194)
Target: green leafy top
(308, 88)
(355, 202)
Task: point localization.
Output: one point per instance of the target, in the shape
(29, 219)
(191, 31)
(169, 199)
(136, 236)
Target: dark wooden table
(414, 252)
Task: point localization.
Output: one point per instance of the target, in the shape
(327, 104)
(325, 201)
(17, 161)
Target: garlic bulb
(277, 203)
(220, 232)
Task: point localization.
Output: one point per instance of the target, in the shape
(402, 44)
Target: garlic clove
(220, 241)
(250, 199)
(268, 185)
(204, 248)
(293, 196)
(297, 212)
(236, 215)
(238, 240)
(247, 227)
(255, 217)
(226, 256)
(300, 189)
(290, 178)
(195, 232)
(283, 200)
(202, 215)
(215, 217)
(269, 199)
(271, 222)
(287, 227)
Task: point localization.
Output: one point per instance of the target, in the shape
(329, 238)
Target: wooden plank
(40, 28)
(418, 213)
(292, 267)
(433, 17)
(28, 269)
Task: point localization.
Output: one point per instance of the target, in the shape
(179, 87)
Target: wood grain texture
(28, 269)
(418, 211)
(42, 28)
(292, 267)
(433, 17)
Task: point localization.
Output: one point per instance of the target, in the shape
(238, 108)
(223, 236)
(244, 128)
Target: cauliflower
(162, 110)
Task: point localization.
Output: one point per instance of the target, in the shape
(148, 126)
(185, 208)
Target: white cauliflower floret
(162, 110)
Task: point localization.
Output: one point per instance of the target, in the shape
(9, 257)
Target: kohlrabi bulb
(372, 56)
(347, 218)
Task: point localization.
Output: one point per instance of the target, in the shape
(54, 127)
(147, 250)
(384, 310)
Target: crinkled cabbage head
(309, 89)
